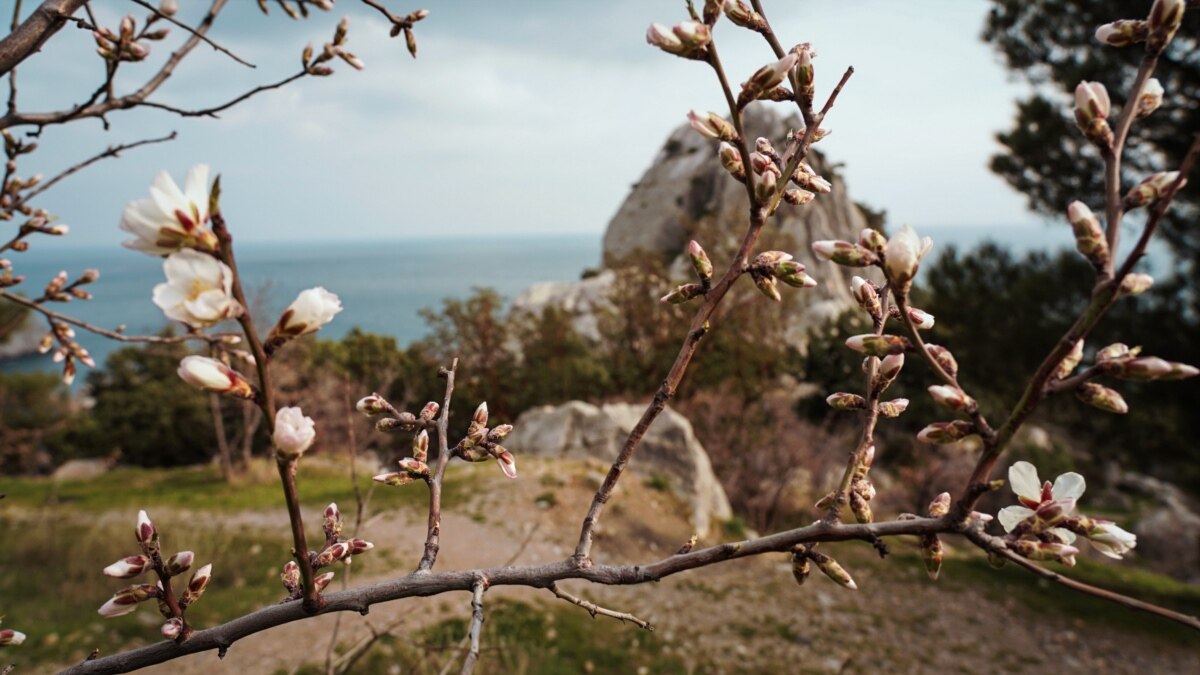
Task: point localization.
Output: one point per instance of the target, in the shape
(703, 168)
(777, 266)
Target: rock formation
(686, 194)
(669, 450)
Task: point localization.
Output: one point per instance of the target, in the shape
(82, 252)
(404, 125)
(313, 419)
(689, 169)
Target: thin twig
(189, 29)
(113, 335)
(476, 625)
(111, 151)
(287, 467)
(594, 609)
(997, 546)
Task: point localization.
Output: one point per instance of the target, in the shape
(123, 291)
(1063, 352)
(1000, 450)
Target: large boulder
(1169, 531)
(669, 449)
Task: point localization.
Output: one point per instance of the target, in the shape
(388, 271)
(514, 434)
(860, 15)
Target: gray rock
(22, 340)
(670, 449)
(686, 191)
(1169, 532)
(584, 299)
(81, 469)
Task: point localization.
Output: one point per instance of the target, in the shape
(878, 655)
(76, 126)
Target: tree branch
(29, 37)
(476, 625)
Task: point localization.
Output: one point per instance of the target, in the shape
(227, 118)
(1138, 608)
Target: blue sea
(382, 284)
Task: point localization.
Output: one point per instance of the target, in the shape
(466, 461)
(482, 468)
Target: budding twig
(594, 609)
(432, 538)
(476, 625)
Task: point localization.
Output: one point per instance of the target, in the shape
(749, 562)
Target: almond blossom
(1044, 505)
(198, 290)
(294, 433)
(171, 219)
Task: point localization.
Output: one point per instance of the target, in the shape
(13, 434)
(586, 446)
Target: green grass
(1045, 596)
(52, 584)
(202, 488)
(525, 639)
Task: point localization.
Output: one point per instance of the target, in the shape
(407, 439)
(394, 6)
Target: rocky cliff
(685, 194)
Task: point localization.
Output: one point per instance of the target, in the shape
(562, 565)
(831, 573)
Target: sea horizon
(383, 282)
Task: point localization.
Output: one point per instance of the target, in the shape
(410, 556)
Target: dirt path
(738, 617)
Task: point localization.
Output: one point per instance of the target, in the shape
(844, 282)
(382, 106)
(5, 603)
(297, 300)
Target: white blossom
(198, 290)
(171, 219)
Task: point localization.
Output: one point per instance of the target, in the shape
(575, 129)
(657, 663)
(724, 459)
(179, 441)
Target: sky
(519, 117)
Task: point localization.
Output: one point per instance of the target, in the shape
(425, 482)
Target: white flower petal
(1069, 486)
(1023, 478)
(1062, 534)
(195, 189)
(1011, 516)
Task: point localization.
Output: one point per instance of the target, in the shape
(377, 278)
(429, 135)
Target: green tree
(144, 412)
(1050, 43)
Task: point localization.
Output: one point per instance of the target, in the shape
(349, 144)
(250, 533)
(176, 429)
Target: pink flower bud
(1151, 189)
(499, 433)
(740, 14)
(421, 446)
(1165, 18)
(798, 197)
(168, 7)
(322, 580)
(731, 159)
(332, 521)
(1122, 33)
(893, 408)
(711, 125)
(1089, 237)
(196, 586)
(1109, 539)
(429, 412)
(508, 464)
(294, 433)
(172, 628)
(766, 285)
(1102, 397)
(950, 397)
(946, 432)
(1092, 108)
(126, 568)
(846, 401)
(766, 78)
(833, 570)
(860, 508)
(1135, 284)
(865, 295)
(481, 415)
(212, 375)
(291, 576)
(800, 567)
(700, 261)
(940, 505)
(932, 554)
(681, 294)
(922, 320)
(394, 478)
(12, 637)
(804, 70)
(872, 240)
(902, 257)
(1070, 361)
(1116, 350)
(145, 531)
(1151, 98)
(843, 253)
(357, 546)
(879, 345)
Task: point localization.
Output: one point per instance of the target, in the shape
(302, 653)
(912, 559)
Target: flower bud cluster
(126, 600)
(482, 443)
(127, 43)
(336, 550)
(337, 49)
